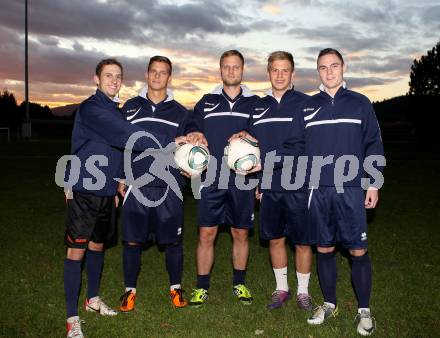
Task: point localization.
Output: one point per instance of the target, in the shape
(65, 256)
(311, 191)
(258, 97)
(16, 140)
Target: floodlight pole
(27, 123)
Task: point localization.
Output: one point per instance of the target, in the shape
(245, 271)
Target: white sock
(72, 319)
(364, 309)
(303, 282)
(93, 299)
(281, 279)
(330, 304)
(175, 287)
(130, 289)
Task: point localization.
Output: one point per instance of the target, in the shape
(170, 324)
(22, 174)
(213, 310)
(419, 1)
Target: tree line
(12, 114)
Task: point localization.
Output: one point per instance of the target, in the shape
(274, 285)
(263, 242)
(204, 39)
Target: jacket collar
(144, 91)
(245, 91)
(106, 99)
(270, 93)
(342, 89)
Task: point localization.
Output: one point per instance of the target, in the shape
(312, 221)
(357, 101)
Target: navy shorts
(230, 206)
(339, 217)
(162, 223)
(284, 214)
(89, 218)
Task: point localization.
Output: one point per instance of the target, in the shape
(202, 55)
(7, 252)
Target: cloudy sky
(379, 40)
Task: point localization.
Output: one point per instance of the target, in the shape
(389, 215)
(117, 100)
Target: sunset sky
(379, 40)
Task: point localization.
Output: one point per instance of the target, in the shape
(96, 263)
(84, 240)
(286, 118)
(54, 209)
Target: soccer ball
(242, 154)
(191, 159)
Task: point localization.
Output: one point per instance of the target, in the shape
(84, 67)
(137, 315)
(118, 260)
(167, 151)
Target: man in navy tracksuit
(337, 124)
(154, 110)
(219, 115)
(98, 138)
(282, 212)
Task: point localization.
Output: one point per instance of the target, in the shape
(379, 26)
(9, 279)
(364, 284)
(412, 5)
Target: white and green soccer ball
(242, 154)
(191, 159)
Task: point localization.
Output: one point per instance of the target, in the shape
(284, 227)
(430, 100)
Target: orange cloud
(272, 9)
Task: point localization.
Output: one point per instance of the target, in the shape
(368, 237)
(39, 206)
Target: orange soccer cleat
(177, 298)
(127, 301)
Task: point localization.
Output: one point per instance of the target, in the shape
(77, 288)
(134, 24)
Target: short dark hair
(231, 52)
(330, 51)
(106, 62)
(159, 58)
(280, 55)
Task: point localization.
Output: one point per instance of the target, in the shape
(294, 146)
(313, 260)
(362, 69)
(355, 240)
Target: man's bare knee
(358, 252)
(207, 235)
(96, 246)
(303, 249)
(75, 254)
(240, 235)
(277, 242)
(326, 249)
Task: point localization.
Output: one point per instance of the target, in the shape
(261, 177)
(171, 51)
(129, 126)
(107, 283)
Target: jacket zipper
(331, 110)
(231, 106)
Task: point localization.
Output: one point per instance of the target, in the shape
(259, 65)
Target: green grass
(404, 244)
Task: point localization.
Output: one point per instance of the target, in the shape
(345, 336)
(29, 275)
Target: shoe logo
(179, 231)
(90, 306)
(252, 217)
(364, 236)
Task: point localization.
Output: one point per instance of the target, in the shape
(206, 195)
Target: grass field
(404, 241)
